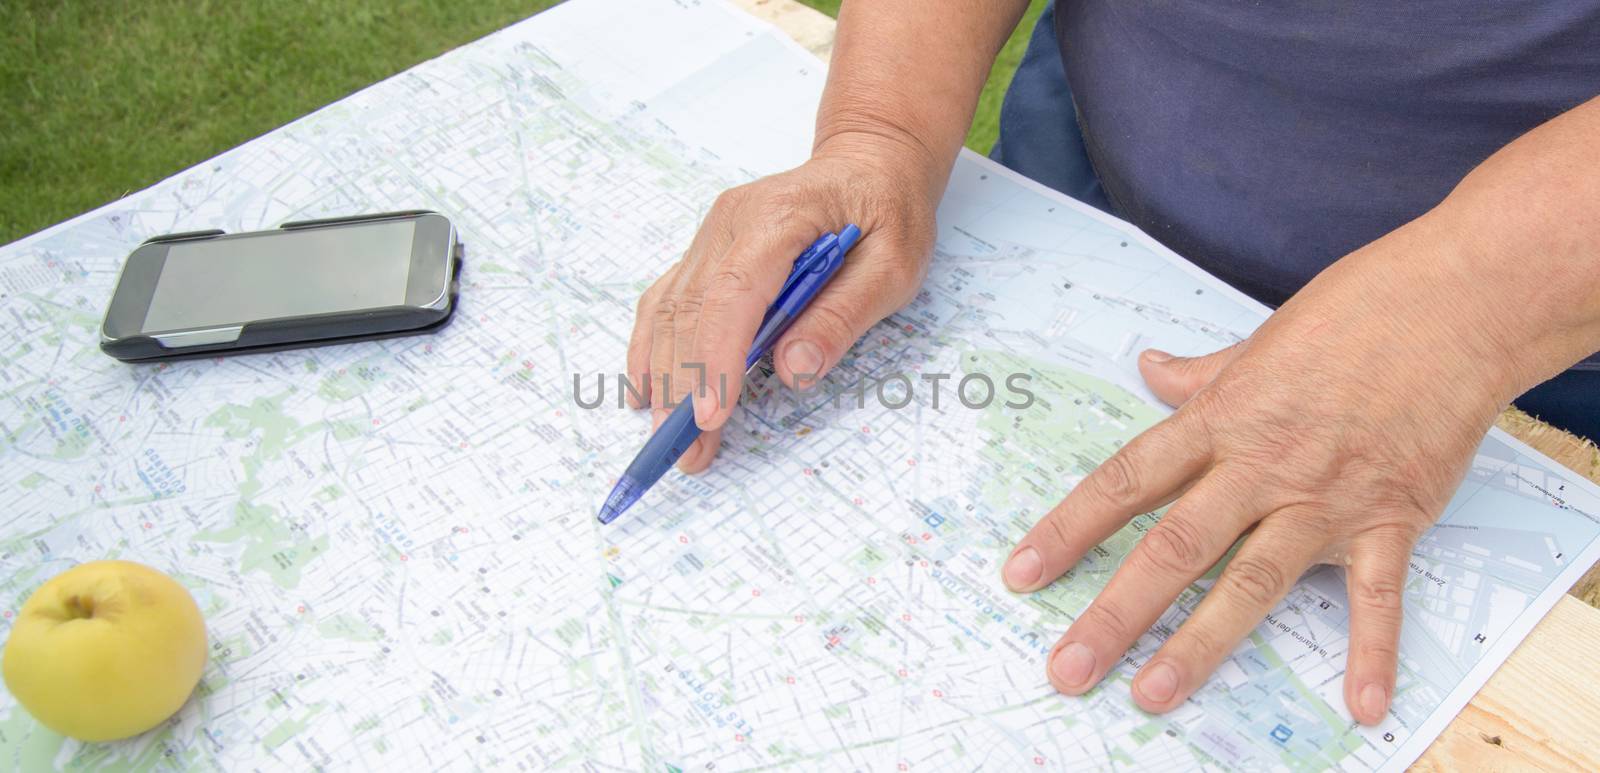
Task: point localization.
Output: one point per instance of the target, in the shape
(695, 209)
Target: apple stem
(81, 607)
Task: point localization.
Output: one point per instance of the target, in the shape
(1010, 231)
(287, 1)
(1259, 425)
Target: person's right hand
(706, 308)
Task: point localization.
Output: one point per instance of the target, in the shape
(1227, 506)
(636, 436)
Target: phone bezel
(427, 281)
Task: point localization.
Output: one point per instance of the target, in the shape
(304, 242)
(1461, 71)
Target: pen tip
(622, 497)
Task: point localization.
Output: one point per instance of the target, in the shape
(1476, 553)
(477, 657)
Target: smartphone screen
(346, 279)
(283, 274)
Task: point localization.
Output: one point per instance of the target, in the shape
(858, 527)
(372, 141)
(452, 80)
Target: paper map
(394, 542)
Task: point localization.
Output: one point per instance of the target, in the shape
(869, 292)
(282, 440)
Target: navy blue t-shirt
(1264, 140)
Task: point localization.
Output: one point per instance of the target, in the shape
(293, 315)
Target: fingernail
(1374, 702)
(1072, 665)
(1023, 569)
(1156, 356)
(1158, 683)
(704, 407)
(803, 358)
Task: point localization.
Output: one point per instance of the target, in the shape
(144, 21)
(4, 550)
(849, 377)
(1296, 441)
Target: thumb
(1176, 379)
(869, 287)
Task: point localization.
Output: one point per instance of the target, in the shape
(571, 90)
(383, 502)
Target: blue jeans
(1040, 138)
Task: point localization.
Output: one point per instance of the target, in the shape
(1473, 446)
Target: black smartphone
(304, 283)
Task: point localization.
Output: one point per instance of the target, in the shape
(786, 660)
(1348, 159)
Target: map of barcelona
(394, 543)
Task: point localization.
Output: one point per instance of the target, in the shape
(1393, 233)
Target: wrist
(1522, 226)
(1446, 316)
(1407, 314)
(888, 149)
(1534, 299)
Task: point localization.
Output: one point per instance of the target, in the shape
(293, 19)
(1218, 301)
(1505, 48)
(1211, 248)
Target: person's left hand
(1335, 434)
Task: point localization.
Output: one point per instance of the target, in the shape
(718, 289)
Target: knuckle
(1277, 440)
(662, 315)
(1197, 642)
(677, 308)
(835, 328)
(783, 204)
(1309, 515)
(1256, 582)
(730, 278)
(1399, 531)
(1056, 526)
(1105, 617)
(1174, 437)
(1376, 593)
(1116, 480)
(1174, 546)
(1377, 650)
(1413, 515)
(729, 199)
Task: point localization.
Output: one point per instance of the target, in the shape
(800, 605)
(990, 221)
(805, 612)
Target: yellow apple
(105, 650)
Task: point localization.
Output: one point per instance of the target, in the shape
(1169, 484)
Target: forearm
(906, 75)
(1481, 298)
(1525, 226)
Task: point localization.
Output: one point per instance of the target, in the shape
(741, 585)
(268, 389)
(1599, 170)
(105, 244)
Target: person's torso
(1265, 140)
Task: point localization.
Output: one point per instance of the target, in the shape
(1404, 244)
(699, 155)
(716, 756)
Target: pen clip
(805, 264)
(812, 270)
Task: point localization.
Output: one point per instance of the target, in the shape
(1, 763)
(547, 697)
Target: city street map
(394, 542)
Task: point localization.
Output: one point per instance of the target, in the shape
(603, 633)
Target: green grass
(104, 98)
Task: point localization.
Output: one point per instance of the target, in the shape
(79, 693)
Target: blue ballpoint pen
(811, 271)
